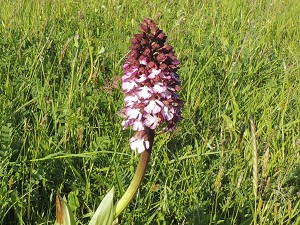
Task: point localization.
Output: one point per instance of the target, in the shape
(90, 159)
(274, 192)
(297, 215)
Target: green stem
(138, 176)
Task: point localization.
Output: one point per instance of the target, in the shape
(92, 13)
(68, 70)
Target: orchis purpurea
(150, 84)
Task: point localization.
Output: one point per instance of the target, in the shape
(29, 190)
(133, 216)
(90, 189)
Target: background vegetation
(60, 68)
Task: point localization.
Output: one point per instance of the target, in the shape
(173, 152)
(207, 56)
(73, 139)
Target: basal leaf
(104, 215)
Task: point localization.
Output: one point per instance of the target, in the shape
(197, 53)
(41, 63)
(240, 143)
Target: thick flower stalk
(150, 85)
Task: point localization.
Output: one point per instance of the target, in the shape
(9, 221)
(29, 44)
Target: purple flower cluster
(150, 84)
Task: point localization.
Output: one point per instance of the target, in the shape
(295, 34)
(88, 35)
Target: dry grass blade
(59, 209)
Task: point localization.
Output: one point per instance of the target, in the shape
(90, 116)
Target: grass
(60, 69)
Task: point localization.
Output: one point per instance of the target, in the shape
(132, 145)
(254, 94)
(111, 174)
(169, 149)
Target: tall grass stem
(255, 162)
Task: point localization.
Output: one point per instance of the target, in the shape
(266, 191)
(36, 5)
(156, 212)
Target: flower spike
(150, 84)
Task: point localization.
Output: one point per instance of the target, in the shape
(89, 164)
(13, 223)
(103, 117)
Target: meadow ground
(60, 68)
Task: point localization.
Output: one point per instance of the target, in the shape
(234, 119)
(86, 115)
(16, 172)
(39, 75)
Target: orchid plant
(150, 85)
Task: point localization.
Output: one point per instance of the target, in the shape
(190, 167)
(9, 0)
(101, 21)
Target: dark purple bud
(147, 52)
(161, 57)
(152, 65)
(138, 37)
(132, 61)
(134, 41)
(166, 49)
(134, 53)
(144, 42)
(144, 28)
(161, 36)
(136, 46)
(155, 46)
(152, 25)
